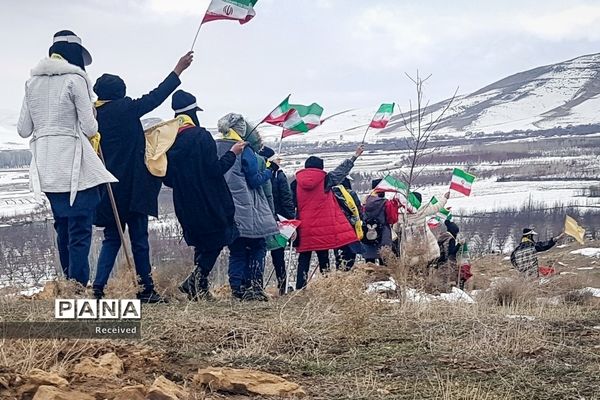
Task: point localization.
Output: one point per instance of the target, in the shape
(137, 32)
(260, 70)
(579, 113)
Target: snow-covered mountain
(558, 95)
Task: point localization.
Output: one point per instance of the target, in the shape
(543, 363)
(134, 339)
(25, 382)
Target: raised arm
(337, 176)
(431, 209)
(544, 246)
(83, 104)
(156, 97)
(254, 177)
(25, 125)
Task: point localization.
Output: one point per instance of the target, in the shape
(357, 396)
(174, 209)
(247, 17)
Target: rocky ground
(519, 340)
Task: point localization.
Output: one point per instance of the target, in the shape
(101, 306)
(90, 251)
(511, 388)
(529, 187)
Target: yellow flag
(573, 229)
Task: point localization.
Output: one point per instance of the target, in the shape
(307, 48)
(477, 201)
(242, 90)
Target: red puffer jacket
(324, 225)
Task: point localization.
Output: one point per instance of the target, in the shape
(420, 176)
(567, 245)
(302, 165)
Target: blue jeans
(247, 263)
(73, 225)
(74, 238)
(138, 234)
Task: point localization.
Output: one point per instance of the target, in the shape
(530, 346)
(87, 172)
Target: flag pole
(115, 211)
(365, 135)
(280, 143)
(196, 37)
(265, 118)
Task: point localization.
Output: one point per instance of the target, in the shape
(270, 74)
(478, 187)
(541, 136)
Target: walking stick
(287, 270)
(113, 204)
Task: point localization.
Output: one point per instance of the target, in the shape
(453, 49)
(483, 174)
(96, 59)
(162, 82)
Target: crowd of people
(227, 193)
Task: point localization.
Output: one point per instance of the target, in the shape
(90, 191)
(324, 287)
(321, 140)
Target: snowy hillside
(558, 95)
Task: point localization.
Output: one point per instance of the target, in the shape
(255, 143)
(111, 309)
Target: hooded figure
(419, 245)
(253, 214)
(203, 202)
(524, 257)
(283, 204)
(58, 115)
(449, 246)
(123, 146)
(324, 225)
(381, 214)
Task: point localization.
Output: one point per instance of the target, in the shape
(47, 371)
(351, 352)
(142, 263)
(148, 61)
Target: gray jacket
(253, 215)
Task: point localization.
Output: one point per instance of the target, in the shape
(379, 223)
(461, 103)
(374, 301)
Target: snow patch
(588, 252)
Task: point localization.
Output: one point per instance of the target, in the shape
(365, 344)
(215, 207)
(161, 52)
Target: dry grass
(341, 343)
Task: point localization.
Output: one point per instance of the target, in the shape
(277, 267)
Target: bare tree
(421, 124)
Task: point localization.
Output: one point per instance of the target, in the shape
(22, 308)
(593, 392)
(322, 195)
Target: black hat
(452, 227)
(529, 232)
(314, 162)
(183, 101)
(266, 152)
(418, 196)
(70, 37)
(110, 87)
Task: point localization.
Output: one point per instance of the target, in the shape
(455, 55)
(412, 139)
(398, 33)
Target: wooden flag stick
(196, 37)
(365, 135)
(113, 204)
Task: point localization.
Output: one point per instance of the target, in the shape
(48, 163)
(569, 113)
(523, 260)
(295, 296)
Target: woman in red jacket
(324, 225)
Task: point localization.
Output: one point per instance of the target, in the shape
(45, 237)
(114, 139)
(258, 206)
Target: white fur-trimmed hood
(52, 66)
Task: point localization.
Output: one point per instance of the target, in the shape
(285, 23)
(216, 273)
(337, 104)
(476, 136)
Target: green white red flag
(235, 10)
(295, 118)
(462, 182)
(382, 116)
(287, 228)
(440, 217)
(391, 184)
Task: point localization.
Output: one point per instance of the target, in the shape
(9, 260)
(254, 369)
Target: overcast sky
(340, 53)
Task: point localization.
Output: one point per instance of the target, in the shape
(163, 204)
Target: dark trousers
(247, 264)
(205, 262)
(74, 238)
(138, 234)
(344, 258)
(278, 257)
(304, 266)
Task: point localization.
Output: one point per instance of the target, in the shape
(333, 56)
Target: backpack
(373, 232)
(350, 209)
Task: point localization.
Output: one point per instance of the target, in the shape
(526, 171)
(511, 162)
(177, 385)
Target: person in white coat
(58, 115)
(419, 245)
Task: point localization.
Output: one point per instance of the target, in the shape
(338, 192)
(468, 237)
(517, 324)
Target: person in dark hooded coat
(283, 204)
(203, 202)
(123, 146)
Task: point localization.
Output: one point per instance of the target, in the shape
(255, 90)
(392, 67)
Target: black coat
(282, 196)
(123, 146)
(203, 203)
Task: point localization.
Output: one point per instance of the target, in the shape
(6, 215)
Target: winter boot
(98, 293)
(150, 297)
(203, 292)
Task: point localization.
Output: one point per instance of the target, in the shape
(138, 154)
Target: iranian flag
(391, 184)
(382, 116)
(295, 118)
(462, 182)
(287, 228)
(235, 10)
